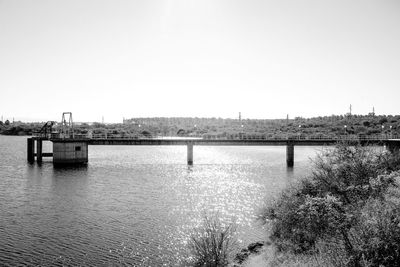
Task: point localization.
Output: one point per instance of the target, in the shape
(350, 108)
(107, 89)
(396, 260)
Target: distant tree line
(333, 125)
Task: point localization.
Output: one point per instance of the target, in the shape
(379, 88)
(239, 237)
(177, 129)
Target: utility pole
(350, 110)
(240, 116)
(102, 119)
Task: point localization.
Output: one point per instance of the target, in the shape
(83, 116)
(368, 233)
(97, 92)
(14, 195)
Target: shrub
(380, 231)
(213, 243)
(303, 220)
(389, 162)
(366, 123)
(383, 120)
(332, 205)
(146, 133)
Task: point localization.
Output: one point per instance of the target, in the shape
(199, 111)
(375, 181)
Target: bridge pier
(290, 154)
(39, 150)
(31, 150)
(190, 153)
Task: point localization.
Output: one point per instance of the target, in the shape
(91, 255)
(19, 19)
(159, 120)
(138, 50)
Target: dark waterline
(133, 205)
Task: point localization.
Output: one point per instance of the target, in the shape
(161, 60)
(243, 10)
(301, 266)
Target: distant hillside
(328, 125)
(318, 126)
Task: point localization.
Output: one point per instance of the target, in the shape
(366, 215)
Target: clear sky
(204, 58)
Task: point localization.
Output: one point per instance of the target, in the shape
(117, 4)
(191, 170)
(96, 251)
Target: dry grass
(329, 255)
(213, 243)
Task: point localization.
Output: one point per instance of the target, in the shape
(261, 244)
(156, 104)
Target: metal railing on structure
(303, 137)
(55, 135)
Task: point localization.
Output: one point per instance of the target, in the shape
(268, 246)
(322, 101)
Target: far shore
(316, 127)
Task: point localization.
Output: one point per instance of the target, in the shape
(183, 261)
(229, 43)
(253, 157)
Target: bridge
(75, 149)
(71, 148)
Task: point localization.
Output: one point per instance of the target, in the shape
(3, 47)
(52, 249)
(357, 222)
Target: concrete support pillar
(31, 150)
(290, 154)
(39, 145)
(190, 153)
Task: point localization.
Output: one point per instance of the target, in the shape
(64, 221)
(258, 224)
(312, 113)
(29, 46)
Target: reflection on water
(132, 204)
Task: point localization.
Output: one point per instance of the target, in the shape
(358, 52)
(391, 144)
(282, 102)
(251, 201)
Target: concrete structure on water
(67, 151)
(75, 150)
(69, 148)
(66, 148)
(70, 152)
(290, 154)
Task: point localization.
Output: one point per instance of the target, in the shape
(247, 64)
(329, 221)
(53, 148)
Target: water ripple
(131, 206)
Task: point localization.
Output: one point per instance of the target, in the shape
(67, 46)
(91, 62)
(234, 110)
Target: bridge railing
(124, 136)
(300, 137)
(216, 137)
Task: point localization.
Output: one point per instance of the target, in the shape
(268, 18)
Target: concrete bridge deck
(219, 142)
(70, 150)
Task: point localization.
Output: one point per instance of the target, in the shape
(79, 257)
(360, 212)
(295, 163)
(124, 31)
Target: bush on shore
(379, 231)
(347, 203)
(213, 243)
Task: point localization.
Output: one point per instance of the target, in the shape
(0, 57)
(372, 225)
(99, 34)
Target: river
(132, 205)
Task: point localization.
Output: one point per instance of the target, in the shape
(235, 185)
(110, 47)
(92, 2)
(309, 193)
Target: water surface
(133, 205)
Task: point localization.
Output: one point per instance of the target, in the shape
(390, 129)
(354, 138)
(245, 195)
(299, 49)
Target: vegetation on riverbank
(19, 128)
(334, 125)
(213, 244)
(347, 213)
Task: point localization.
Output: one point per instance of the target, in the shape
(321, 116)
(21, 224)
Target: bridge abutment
(290, 154)
(190, 153)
